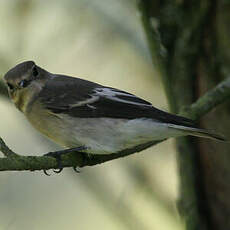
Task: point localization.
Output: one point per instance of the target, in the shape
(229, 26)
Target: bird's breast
(100, 135)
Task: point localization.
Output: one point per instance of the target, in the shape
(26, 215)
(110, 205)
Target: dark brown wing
(81, 98)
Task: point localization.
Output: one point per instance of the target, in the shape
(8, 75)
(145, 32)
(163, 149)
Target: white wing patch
(113, 94)
(85, 102)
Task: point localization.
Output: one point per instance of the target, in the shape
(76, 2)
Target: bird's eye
(35, 71)
(24, 83)
(10, 86)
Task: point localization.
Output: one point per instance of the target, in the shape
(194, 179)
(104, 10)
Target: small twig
(208, 101)
(7, 152)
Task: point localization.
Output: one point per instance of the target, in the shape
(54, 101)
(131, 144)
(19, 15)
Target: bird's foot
(57, 155)
(85, 159)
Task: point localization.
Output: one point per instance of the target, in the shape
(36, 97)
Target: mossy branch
(15, 162)
(209, 101)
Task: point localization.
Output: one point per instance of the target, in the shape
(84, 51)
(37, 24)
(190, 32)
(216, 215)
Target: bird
(77, 113)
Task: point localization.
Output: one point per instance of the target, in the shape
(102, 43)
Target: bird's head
(23, 82)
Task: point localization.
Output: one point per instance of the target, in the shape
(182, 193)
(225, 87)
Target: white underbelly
(106, 135)
(99, 135)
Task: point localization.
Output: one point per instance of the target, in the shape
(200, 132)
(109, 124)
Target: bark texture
(189, 44)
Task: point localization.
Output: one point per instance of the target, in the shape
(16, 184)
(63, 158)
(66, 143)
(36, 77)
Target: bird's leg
(57, 155)
(65, 151)
(85, 158)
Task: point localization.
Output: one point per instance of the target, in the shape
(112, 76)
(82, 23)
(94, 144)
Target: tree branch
(209, 101)
(157, 50)
(16, 162)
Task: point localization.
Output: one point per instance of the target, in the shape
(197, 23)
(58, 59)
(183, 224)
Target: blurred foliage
(100, 41)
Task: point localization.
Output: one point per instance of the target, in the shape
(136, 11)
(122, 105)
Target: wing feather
(81, 98)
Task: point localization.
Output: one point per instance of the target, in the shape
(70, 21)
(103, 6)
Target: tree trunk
(189, 44)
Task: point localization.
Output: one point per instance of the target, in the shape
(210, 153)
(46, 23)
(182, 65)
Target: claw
(58, 159)
(76, 169)
(57, 155)
(46, 173)
(58, 171)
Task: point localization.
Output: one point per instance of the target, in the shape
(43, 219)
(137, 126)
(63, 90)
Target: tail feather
(200, 133)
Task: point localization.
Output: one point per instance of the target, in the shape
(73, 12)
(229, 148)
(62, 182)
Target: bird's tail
(200, 132)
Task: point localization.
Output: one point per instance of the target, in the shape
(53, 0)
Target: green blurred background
(102, 41)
